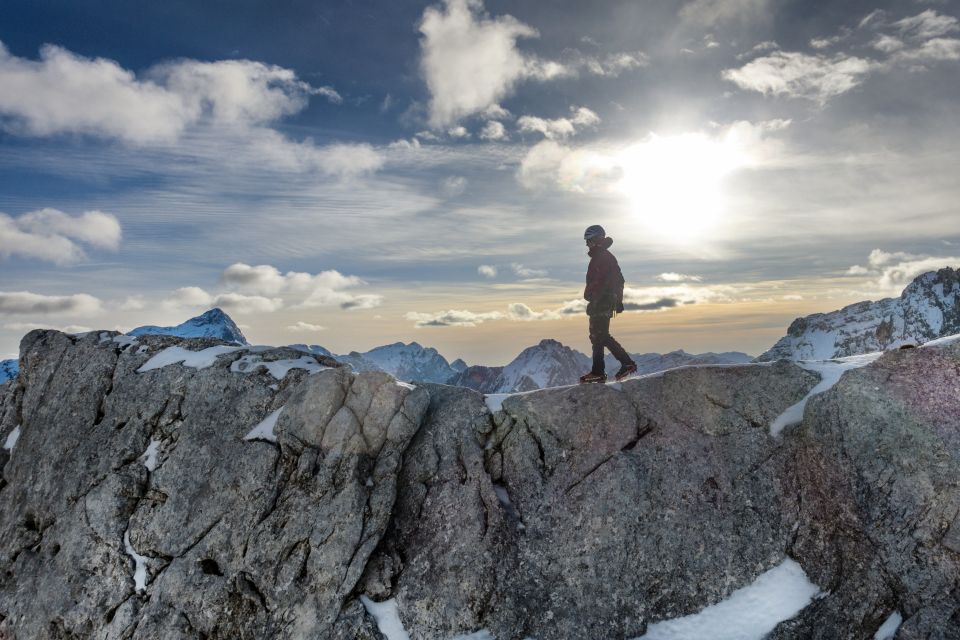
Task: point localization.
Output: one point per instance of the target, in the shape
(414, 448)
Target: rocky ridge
(205, 499)
(928, 308)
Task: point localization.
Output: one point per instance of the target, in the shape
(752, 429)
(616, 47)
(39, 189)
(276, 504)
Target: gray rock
(242, 539)
(876, 471)
(589, 511)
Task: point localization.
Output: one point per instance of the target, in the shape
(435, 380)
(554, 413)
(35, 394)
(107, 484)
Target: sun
(673, 183)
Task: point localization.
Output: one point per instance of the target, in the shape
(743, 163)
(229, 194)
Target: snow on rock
(277, 368)
(264, 430)
(178, 355)
(749, 613)
(122, 340)
(12, 438)
(387, 616)
(939, 342)
(483, 634)
(928, 308)
(149, 456)
(888, 630)
(830, 372)
(139, 564)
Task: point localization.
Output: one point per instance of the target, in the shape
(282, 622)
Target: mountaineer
(604, 295)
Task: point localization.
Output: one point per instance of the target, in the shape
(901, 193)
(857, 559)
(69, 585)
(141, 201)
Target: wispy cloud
(26, 302)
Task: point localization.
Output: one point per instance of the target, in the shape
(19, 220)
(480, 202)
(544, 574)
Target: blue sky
(355, 173)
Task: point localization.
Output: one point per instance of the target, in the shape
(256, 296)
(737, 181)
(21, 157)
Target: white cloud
(30, 326)
(237, 99)
(49, 234)
(302, 326)
(936, 49)
(559, 128)
(815, 77)
(302, 289)
(926, 25)
(887, 43)
(520, 312)
(452, 318)
(67, 93)
(892, 271)
(526, 272)
(493, 130)
(458, 132)
(470, 61)
(551, 164)
(26, 302)
(133, 303)
(453, 186)
(671, 276)
(195, 297)
(189, 297)
(487, 271)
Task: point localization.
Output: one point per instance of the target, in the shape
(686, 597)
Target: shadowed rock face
(572, 513)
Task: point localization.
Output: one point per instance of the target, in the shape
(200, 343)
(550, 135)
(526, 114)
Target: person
(604, 295)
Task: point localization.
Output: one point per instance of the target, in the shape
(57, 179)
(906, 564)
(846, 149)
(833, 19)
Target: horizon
(355, 176)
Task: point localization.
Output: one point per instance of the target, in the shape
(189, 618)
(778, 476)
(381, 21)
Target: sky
(352, 174)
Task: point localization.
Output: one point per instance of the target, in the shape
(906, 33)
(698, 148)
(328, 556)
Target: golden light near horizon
(673, 183)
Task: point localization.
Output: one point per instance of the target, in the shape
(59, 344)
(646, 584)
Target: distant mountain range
(928, 308)
(551, 364)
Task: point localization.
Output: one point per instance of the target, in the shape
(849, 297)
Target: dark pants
(600, 339)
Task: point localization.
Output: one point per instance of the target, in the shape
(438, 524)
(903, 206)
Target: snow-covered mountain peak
(214, 323)
(928, 308)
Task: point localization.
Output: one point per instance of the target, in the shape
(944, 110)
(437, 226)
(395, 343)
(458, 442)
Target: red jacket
(603, 273)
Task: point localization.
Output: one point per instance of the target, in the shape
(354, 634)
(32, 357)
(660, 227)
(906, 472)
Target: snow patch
(494, 401)
(387, 616)
(888, 630)
(139, 564)
(942, 341)
(749, 613)
(149, 456)
(178, 355)
(483, 634)
(406, 385)
(277, 368)
(264, 430)
(830, 372)
(12, 438)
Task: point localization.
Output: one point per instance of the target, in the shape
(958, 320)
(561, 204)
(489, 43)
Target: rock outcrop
(253, 493)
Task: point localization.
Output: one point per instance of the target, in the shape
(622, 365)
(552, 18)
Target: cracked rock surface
(134, 506)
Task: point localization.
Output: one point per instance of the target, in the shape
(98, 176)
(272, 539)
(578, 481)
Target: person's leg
(599, 334)
(618, 352)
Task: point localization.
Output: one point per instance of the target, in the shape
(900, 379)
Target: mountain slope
(928, 308)
(212, 324)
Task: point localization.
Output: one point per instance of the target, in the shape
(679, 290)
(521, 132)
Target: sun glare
(674, 183)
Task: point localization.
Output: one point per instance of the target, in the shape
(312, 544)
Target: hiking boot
(592, 378)
(626, 371)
